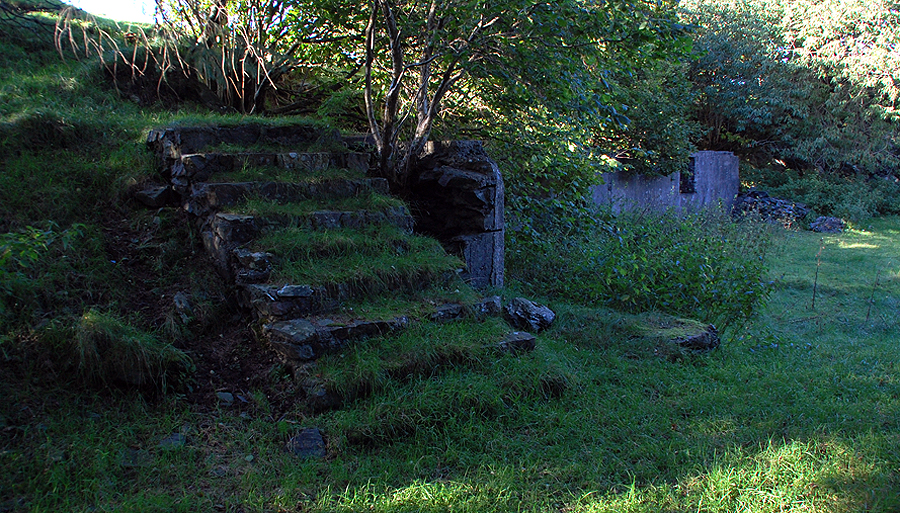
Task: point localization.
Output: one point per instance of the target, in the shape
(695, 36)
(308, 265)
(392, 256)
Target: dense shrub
(703, 266)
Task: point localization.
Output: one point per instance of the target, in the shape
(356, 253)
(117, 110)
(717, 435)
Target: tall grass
(101, 347)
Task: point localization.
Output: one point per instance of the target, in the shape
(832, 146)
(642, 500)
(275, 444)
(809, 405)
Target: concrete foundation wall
(626, 191)
(714, 182)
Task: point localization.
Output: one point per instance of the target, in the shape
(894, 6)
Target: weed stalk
(872, 296)
(816, 280)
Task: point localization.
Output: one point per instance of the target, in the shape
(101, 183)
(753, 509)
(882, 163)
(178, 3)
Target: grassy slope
(797, 411)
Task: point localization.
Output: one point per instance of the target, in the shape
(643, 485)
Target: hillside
(140, 373)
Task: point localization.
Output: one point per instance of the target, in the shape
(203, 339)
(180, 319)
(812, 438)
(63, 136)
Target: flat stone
(172, 442)
(225, 397)
(157, 197)
(294, 338)
(252, 260)
(294, 291)
(308, 443)
(448, 312)
(518, 342)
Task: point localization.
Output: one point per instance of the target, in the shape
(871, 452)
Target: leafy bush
(703, 266)
(103, 348)
(19, 251)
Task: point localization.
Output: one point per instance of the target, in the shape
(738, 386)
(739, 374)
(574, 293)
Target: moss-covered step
(174, 141)
(357, 211)
(207, 197)
(202, 167)
(301, 340)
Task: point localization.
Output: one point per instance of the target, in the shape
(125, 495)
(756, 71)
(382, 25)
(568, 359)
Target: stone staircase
(290, 218)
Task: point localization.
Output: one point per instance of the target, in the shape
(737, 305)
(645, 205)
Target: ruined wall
(714, 181)
(457, 196)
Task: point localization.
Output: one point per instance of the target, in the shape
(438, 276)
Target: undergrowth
(703, 266)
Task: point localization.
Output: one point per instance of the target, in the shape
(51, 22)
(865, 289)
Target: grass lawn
(798, 410)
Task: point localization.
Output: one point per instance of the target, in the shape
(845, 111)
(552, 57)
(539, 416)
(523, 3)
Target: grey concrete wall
(627, 191)
(715, 182)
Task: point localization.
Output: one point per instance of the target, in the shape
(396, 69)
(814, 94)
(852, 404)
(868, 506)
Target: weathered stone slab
(308, 443)
(484, 257)
(518, 342)
(296, 339)
(235, 229)
(157, 196)
(523, 314)
(299, 340)
(295, 291)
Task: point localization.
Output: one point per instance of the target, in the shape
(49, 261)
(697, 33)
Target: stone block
(483, 254)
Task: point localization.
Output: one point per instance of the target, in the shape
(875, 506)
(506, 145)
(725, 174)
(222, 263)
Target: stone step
(224, 233)
(289, 301)
(338, 219)
(172, 142)
(205, 198)
(278, 302)
(201, 167)
(301, 340)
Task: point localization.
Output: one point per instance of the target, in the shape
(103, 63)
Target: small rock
(488, 307)
(517, 342)
(183, 307)
(525, 315)
(706, 340)
(294, 291)
(225, 397)
(309, 443)
(172, 442)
